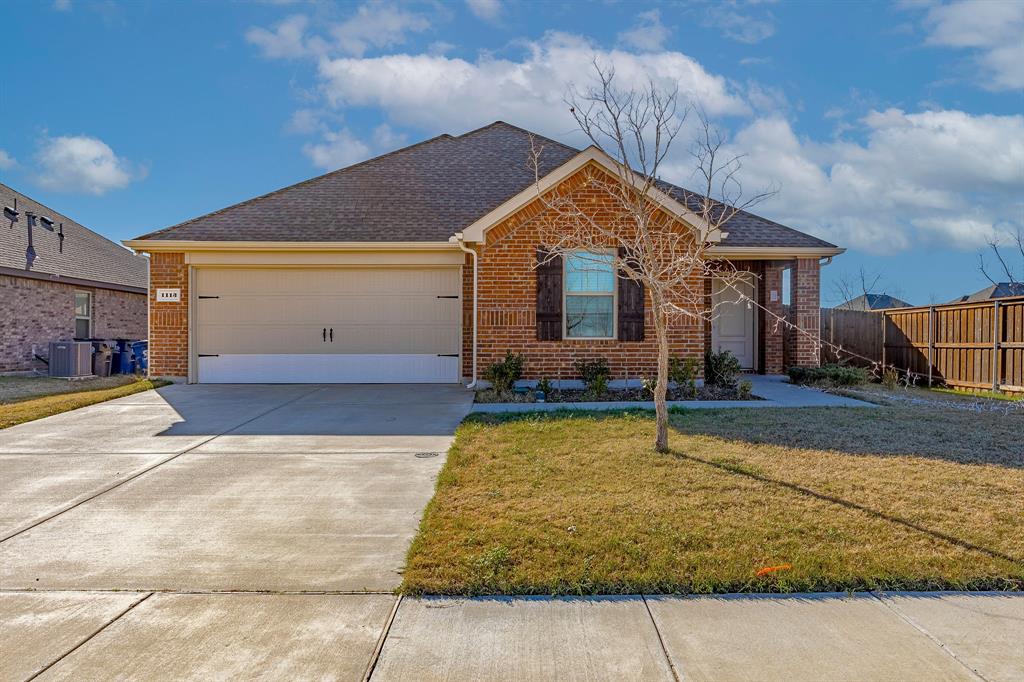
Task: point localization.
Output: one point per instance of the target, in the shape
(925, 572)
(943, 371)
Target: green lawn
(892, 497)
(23, 399)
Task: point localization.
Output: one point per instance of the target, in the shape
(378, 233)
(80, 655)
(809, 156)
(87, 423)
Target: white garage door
(351, 325)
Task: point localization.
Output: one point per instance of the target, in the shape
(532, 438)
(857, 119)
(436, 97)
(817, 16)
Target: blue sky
(895, 130)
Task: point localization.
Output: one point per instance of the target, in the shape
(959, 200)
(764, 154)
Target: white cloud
(488, 10)
(385, 138)
(337, 150)
(7, 161)
(286, 41)
(939, 177)
(992, 28)
(376, 24)
(62, 5)
(82, 164)
(743, 27)
(647, 34)
(438, 93)
(305, 122)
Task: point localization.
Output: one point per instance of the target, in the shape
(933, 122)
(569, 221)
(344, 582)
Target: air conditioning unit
(70, 359)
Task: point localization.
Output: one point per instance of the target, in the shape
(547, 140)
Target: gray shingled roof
(425, 192)
(866, 302)
(989, 293)
(86, 255)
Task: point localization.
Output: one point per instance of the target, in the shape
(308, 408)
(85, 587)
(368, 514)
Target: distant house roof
(31, 247)
(425, 192)
(1001, 290)
(873, 302)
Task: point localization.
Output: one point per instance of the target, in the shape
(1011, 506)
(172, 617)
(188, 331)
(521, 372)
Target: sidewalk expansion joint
(146, 470)
(375, 656)
(88, 638)
(661, 640)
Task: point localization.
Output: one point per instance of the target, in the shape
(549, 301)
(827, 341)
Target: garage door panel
(328, 310)
(268, 339)
(390, 324)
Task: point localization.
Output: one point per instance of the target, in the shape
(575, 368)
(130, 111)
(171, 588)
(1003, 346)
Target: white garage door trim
(410, 319)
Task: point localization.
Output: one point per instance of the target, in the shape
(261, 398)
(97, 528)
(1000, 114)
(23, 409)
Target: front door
(734, 317)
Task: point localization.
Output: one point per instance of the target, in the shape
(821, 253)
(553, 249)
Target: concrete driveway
(205, 505)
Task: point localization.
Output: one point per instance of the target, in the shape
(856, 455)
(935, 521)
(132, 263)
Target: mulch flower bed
(570, 395)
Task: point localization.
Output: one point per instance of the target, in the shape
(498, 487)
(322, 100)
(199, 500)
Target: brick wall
(806, 302)
(508, 298)
(773, 330)
(36, 312)
(168, 322)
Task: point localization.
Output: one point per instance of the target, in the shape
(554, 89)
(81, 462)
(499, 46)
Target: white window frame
(81, 317)
(614, 294)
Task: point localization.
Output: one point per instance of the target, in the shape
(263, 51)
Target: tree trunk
(661, 387)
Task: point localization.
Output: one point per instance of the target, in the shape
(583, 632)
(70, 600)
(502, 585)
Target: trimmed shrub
(503, 375)
(828, 375)
(595, 374)
(683, 372)
(721, 369)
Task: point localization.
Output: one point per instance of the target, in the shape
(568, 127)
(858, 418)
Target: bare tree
(996, 247)
(637, 128)
(863, 282)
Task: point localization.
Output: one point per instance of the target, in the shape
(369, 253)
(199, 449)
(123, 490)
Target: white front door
(734, 318)
(328, 325)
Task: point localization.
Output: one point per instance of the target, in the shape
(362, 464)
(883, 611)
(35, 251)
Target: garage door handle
(447, 296)
(325, 334)
(332, 334)
(447, 355)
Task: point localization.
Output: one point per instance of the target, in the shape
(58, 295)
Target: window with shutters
(590, 295)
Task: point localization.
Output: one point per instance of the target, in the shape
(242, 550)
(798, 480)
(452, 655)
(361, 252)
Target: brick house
(61, 281)
(382, 271)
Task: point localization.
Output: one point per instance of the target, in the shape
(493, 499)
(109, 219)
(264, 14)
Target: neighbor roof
(85, 255)
(873, 302)
(423, 193)
(1001, 290)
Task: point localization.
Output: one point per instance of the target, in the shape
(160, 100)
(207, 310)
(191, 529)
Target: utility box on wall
(70, 359)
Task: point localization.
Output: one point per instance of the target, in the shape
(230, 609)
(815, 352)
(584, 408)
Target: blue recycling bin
(124, 361)
(141, 350)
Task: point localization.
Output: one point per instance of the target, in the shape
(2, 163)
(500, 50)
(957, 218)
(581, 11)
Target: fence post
(997, 366)
(931, 342)
(885, 319)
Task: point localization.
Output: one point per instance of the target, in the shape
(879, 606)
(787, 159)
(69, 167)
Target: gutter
(457, 239)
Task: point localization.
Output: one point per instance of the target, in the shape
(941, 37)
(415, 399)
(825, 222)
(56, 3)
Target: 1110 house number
(168, 295)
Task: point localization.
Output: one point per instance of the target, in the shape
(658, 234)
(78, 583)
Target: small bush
(503, 375)
(827, 375)
(721, 369)
(890, 377)
(746, 390)
(683, 371)
(544, 386)
(595, 374)
(649, 384)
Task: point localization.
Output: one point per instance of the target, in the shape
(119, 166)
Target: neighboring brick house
(60, 281)
(372, 273)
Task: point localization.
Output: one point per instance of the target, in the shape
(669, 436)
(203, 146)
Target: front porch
(784, 292)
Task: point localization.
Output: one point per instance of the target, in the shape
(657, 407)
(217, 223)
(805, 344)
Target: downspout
(457, 239)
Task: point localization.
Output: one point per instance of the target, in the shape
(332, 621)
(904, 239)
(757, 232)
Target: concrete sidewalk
(813, 637)
(775, 391)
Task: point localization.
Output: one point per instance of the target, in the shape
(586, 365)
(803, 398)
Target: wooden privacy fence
(968, 345)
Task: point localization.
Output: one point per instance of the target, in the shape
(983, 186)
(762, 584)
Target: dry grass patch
(29, 409)
(16, 388)
(850, 498)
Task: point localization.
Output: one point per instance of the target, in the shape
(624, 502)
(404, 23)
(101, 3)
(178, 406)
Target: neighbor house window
(590, 295)
(83, 314)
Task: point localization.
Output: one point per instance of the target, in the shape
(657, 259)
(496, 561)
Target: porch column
(807, 308)
(772, 330)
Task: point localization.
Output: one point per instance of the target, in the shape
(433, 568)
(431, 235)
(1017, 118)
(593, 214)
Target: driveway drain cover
(426, 455)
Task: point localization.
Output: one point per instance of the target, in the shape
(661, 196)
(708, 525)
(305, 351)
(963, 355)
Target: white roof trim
(476, 231)
(772, 252)
(150, 245)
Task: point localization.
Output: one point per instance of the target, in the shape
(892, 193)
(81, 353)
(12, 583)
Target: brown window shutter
(549, 296)
(631, 307)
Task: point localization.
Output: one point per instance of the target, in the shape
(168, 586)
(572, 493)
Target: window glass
(82, 328)
(589, 316)
(82, 304)
(590, 272)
